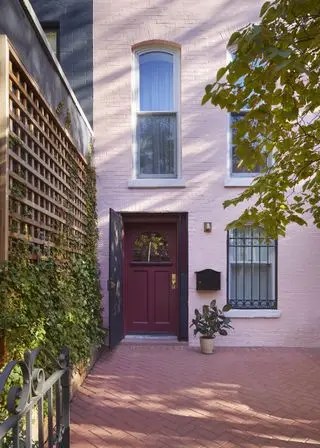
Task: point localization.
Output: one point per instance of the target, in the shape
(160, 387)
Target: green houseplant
(210, 322)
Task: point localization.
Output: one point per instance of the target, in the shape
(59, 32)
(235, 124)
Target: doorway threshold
(151, 339)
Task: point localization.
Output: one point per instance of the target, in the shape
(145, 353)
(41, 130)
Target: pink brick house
(165, 164)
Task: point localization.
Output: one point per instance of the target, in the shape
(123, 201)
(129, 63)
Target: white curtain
(251, 283)
(156, 82)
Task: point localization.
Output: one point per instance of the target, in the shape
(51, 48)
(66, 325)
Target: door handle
(173, 281)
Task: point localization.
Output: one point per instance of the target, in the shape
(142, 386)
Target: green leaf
(206, 98)
(208, 88)
(227, 307)
(298, 220)
(264, 8)
(271, 13)
(221, 72)
(234, 37)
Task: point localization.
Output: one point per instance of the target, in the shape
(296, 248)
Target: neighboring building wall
(75, 43)
(21, 31)
(18, 26)
(202, 28)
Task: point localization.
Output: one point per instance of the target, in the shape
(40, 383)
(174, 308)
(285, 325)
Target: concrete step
(138, 339)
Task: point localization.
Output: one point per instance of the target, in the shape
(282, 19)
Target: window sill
(156, 183)
(252, 314)
(238, 181)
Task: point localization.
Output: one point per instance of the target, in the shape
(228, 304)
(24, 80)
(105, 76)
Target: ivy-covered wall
(54, 301)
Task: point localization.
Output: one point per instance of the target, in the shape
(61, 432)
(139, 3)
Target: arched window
(150, 247)
(156, 106)
(251, 269)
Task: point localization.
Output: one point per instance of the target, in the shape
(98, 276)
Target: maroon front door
(151, 304)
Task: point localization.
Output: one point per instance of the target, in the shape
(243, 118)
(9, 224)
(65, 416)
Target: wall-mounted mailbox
(208, 280)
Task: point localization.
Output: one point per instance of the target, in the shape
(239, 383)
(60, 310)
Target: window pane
(251, 269)
(251, 286)
(157, 142)
(52, 37)
(255, 64)
(150, 247)
(241, 169)
(235, 117)
(156, 81)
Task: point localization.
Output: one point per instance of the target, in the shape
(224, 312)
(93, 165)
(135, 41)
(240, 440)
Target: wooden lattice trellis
(43, 176)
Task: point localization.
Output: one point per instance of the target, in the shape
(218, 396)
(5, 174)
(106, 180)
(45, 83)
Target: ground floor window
(252, 269)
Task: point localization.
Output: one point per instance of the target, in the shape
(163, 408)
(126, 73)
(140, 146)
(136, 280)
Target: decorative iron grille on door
(43, 175)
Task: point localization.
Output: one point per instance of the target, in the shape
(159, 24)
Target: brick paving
(172, 396)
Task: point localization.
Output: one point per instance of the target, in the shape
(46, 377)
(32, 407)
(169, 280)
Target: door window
(150, 247)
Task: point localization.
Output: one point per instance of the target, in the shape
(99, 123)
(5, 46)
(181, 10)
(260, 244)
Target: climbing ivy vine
(55, 301)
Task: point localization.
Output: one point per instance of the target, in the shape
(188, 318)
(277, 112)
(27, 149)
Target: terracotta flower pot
(206, 345)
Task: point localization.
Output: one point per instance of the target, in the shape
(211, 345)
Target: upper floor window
(235, 168)
(252, 261)
(51, 31)
(156, 105)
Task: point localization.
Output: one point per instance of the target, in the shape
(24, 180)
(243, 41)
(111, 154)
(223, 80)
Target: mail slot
(208, 280)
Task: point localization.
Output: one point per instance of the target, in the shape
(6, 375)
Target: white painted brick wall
(202, 28)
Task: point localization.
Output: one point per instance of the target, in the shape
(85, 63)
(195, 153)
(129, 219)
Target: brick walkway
(172, 396)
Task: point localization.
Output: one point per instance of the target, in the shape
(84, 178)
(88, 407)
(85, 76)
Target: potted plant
(210, 322)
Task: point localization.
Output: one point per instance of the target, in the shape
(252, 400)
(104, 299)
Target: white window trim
(233, 181)
(253, 314)
(155, 182)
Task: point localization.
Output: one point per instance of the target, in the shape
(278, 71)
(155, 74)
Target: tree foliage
(275, 75)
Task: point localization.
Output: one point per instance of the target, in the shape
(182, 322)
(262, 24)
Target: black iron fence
(36, 401)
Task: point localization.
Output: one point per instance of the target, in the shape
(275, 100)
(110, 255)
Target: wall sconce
(207, 227)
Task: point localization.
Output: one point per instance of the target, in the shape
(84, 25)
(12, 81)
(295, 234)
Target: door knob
(173, 281)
